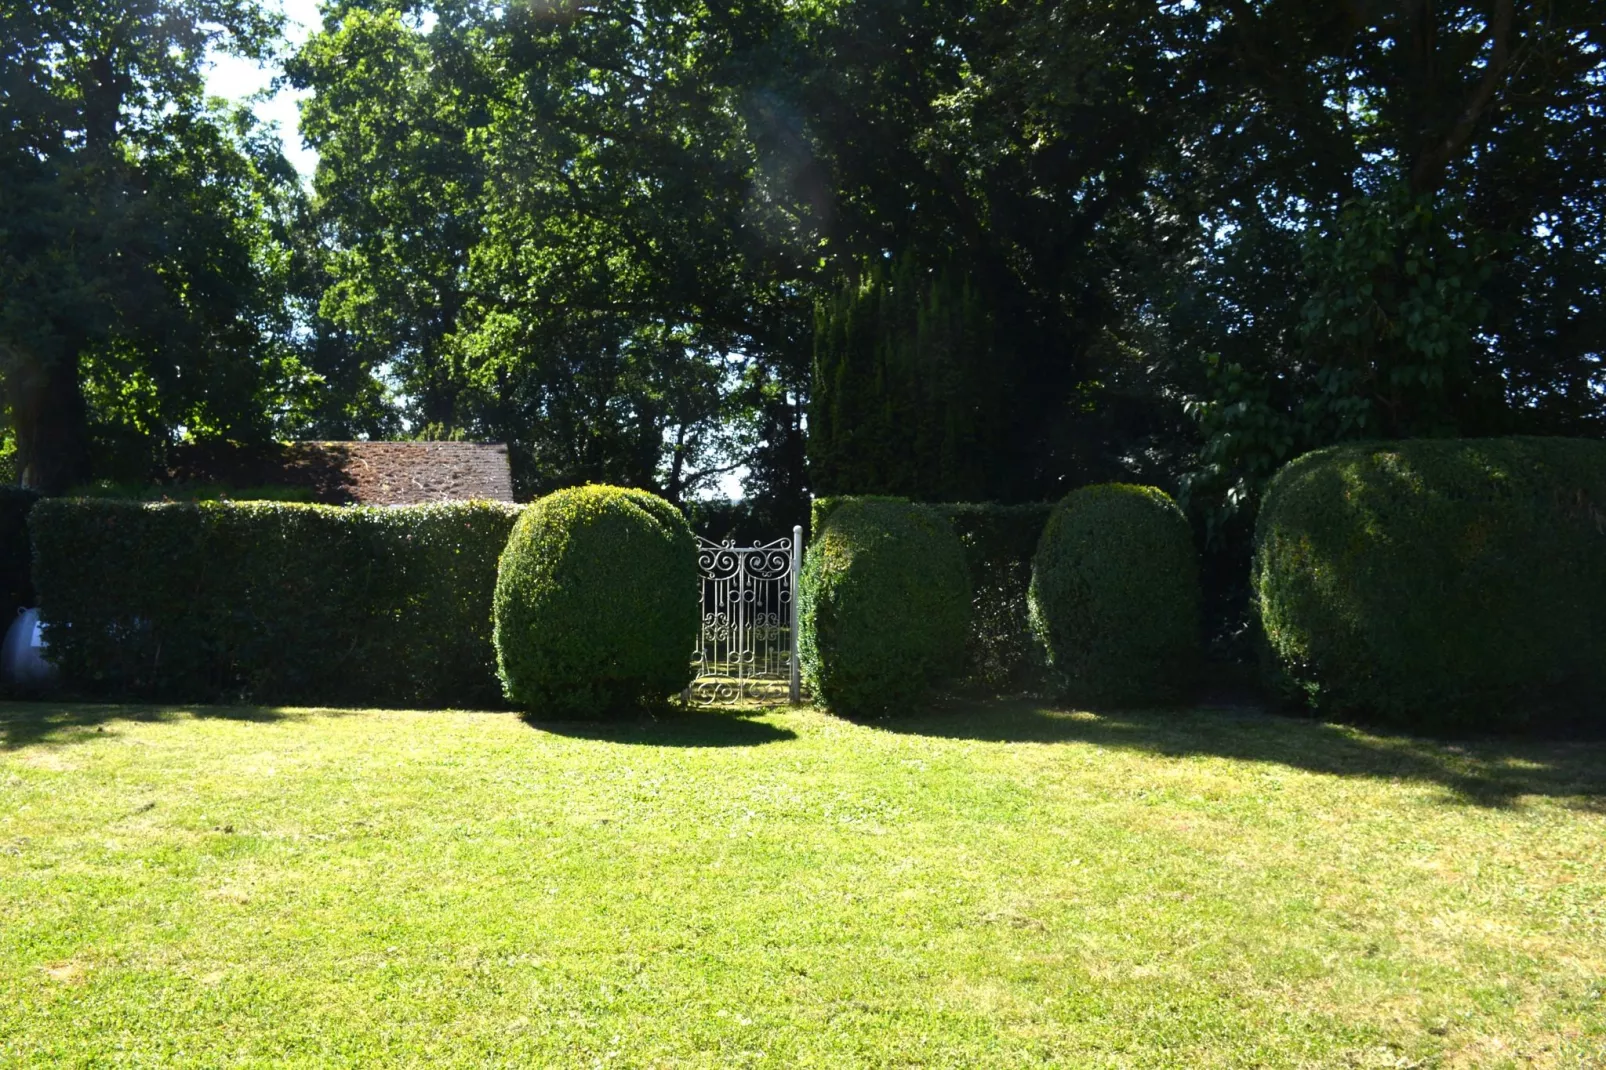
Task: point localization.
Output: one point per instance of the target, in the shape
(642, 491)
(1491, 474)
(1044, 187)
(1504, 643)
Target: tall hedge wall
(1001, 654)
(1439, 583)
(271, 602)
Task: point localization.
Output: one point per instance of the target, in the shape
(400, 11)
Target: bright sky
(236, 79)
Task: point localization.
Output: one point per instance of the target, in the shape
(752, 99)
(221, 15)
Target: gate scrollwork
(747, 646)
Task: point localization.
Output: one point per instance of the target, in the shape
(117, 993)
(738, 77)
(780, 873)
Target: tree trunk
(51, 423)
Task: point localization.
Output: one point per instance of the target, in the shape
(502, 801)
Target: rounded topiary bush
(885, 605)
(596, 602)
(1115, 596)
(1438, 584)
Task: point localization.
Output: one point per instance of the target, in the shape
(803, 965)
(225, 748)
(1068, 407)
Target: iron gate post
(797, 572)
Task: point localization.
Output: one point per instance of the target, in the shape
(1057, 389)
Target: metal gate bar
(747, 648)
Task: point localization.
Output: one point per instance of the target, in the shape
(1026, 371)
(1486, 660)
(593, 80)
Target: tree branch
(1428, 173)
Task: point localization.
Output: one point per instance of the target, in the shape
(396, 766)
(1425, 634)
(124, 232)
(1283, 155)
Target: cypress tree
(908, 395)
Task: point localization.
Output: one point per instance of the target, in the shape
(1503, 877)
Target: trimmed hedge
(1001, 654)
(1440, 584)
(1115, 596)
(885, 605)
(16, 555)
(596, 602)
(271, 602)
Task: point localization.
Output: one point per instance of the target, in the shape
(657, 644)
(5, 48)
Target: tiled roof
(362, 473)
(407, 473)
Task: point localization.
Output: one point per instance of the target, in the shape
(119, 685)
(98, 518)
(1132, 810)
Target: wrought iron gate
(748, 645)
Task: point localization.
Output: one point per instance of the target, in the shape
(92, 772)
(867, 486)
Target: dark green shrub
(271, 602)
(1115, 596)
(16, 584)
(885, 605)
(596, 602)
(1439, 583)
(1001, 654)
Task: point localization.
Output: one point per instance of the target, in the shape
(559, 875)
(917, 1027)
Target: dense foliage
(1421, 259)
(993, 249)
(909, 394)
(1001, 654)
(885, 605)
(1301, 224)
(1115, 596)
(596, 603)
(271, 602)
(146, 270)
(603, 288)
(1439, 583)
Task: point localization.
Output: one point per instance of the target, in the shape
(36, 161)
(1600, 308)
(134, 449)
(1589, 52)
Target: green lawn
(987, 886)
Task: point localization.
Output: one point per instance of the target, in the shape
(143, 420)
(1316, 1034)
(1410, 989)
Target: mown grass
(992, 885)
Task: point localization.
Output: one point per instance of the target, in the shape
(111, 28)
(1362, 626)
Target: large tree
(1400, 206)
(1013, 142)
(603, 232)
(143, 267)
(609, 250)
(546, 228)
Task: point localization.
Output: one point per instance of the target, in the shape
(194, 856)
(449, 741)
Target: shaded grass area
(986, 884)
(1489, 771)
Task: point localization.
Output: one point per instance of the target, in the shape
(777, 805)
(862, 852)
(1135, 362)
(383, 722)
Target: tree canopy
(145, 271)
(956, 249)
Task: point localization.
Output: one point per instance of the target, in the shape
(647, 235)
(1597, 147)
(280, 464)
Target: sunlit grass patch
(993, 884)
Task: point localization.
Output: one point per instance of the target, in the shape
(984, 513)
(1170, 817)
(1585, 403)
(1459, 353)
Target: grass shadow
(672, 728)
(26, 724)
(1486, 771)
